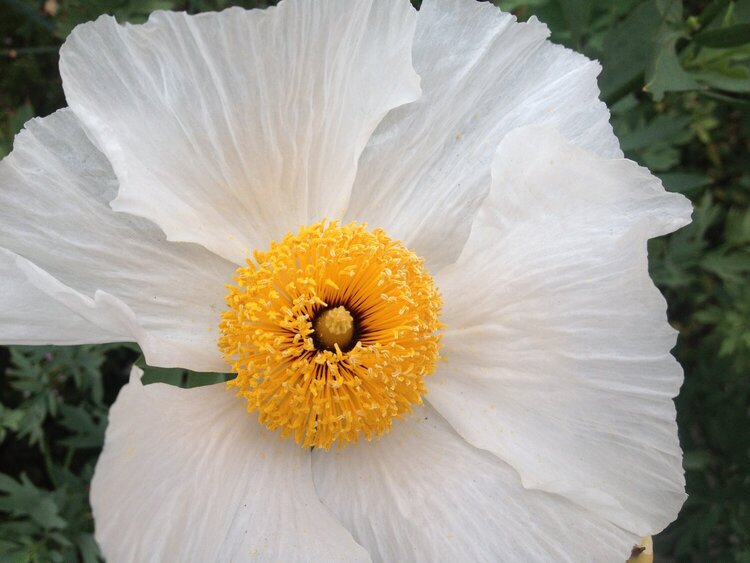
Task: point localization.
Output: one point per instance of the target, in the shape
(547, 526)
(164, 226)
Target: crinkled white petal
(421, 493)
(31, 316)
(427, 167)
(557, 340)
(188, 475)
(116, 270)
(231, 129)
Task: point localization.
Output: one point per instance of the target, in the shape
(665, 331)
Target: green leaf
(10, 419)
(660, 157)
(627, 47)
(170, 376)
(179, 377)
(732, 36)
(199, 379)
(88, 431)
(696, 460)
(712, 10)
(664, 72)
(18, 118)
(661, 128)
(24, 499)
(731, 267)
(88, 548)
(34, 414)
(724, 81)
(577, 15)
(670, 11)
(513, 5)
(737, 227)
(684, 182)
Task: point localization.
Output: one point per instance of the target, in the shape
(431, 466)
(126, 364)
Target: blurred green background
(676, 76)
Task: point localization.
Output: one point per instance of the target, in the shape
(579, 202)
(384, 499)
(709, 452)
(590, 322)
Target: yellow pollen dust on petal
(332, 332)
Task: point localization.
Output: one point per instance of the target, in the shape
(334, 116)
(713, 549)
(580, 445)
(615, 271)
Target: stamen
(331, 333)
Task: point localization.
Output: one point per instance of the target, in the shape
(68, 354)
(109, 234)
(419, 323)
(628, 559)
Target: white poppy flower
(191, 142)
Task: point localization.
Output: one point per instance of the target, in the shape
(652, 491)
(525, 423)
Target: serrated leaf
(88, 432)
(665, 73)
(10, 418)
(660, 157)
(34, 414)
(24, 499)
(661, 128)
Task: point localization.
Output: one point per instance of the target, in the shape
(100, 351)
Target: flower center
(334, 328)
(331, 333)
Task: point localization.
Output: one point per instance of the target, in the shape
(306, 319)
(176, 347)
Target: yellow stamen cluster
(331, 333)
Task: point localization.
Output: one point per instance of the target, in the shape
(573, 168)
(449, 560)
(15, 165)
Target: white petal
(421, 493)
(427, 168)
(557, 340)
(231, 129)
(188, 475)
(31, 316)
(56, 187)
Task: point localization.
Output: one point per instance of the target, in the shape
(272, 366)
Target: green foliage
(677, 78)
(53, 415)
